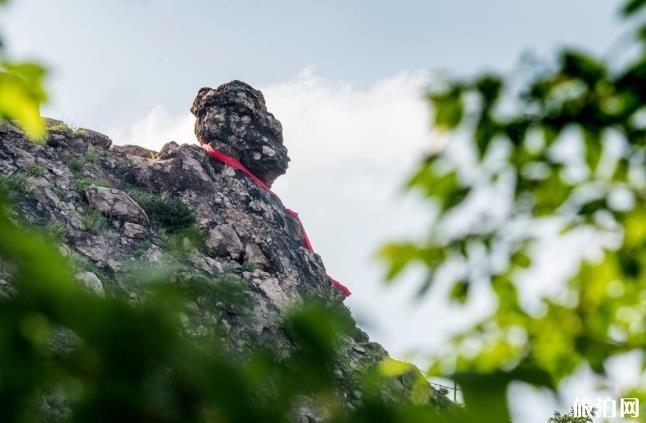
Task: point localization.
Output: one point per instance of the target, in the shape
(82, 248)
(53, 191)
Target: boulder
(95, 138)
(233, 118)
(58, 132)
(133, 230)
(116, 204)
(224, 241)
(91, 282)
(134, 150)
(167, 150)
(253, 254)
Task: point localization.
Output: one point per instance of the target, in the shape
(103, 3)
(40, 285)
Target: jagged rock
(224, 241)
(91, 282)
(97, 139)
(57, 132)
(179, 169)
(114, 203)
(133, 230)
(167, 149)
(275, 292)
(134, 150)
(234, 119)
(253, 254)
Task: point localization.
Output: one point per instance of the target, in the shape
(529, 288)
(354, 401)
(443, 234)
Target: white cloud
(157, 128)
(327, 121)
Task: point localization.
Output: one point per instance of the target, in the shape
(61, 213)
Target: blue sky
(113, 60)
(346, 80)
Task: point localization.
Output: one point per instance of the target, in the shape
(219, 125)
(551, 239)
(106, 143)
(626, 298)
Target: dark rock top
(234, 119)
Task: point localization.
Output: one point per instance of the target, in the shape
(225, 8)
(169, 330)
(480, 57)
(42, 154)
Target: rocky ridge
(112, 208)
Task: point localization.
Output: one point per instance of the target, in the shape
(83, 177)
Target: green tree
(512, 131)
(569, 418)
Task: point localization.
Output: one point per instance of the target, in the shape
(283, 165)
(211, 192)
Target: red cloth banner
(234, 163)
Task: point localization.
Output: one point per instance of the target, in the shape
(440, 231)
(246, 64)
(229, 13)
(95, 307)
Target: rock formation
(112, 207)
(234, 119)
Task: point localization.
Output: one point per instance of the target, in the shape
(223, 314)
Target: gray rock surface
(114, 203)
(134, 150)
(224, 241)
(113, 209)
(133, 230)
(97, 139)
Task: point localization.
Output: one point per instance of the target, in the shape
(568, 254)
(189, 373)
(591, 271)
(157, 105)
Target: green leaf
(593, 148)
(521, 259)
(632, 7)
(489, 87)
(576, 64)
(443, 187)
(448, 108)
(398, 257)
(485, 396)
(550, 193)
(486, 130)
(460, 291)
(21, 94)
(390, 367)
(516, 131)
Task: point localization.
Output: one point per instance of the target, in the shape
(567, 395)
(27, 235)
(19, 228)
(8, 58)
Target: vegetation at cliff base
(75, 356)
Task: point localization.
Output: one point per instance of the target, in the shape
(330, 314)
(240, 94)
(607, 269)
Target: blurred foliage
(68, 355)
(502, 141)
(21, 93)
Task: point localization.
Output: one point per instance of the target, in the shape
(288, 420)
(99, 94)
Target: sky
(346, 79)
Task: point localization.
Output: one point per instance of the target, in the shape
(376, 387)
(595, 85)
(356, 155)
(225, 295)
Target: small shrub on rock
(84, 182)
(54, 125)
(164, 212)
(35, 169)
(75, 164)
(56, 230)
(16, 182)
(183, 240)
(249, 266)
(94, 221)
(90, 155)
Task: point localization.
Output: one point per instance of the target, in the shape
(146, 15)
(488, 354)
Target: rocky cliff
(114, 208)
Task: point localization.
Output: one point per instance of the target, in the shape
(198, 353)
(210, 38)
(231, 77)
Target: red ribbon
(234, 163)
